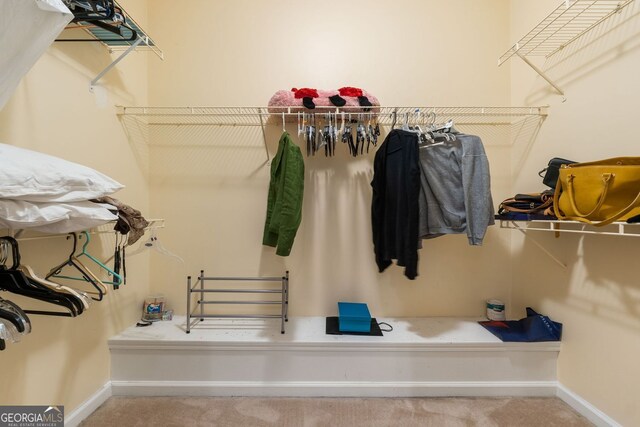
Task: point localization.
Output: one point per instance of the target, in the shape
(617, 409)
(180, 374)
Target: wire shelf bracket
(131, 48)
(567, 23)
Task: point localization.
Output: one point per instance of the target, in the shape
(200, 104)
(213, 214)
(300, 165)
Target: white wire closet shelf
(570, 227)
(259, 116)
(615, 229)
(567, 23)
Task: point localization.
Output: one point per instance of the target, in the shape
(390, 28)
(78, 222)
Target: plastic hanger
(8, 332)
(10, 312)
(405, 126)
(32, 276)
(13, 280)
(117, 279)
(153, 243)
(86, 274)
(445, 127)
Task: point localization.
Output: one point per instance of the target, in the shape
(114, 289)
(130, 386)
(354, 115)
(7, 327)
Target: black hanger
(14, 280)
(100, 10)
(35, 290)
(78, 305)
(102, 14)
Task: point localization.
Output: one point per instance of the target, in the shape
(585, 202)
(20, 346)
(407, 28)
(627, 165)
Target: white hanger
(153, 243)
(300, 125)
(405, 126)
(284, 128)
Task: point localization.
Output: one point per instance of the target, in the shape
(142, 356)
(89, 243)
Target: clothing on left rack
(284, 204)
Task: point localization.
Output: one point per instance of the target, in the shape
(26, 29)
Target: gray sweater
(455, 194)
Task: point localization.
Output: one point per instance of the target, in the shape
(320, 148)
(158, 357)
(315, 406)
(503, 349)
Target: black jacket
(394, 208)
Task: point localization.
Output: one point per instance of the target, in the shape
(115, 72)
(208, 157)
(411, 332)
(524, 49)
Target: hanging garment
(284, 204)
(394, 208)
(455, 194)
(130, 220)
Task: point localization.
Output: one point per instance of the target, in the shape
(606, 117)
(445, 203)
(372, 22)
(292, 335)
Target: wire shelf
(114, 42)
(25, 234)
(258, 116)
(568, 22)
(575, 227)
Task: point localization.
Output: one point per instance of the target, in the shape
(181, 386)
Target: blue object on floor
(353, 317)
(535, 327)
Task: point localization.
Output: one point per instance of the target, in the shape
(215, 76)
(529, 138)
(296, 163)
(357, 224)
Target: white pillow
(37, 177)
(53, 217)
(17, 214)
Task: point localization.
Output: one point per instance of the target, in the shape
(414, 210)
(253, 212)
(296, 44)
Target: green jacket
(284, 206)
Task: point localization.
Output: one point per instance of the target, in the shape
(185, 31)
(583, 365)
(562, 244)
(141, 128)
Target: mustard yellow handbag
(599, 193)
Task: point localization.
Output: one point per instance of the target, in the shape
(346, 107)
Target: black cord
(385, 330)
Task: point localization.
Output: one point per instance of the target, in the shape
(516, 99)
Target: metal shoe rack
(200, 289)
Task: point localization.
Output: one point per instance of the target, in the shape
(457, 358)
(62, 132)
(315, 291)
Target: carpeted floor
(352, 412)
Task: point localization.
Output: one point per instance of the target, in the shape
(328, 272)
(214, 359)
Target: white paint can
(495, 310)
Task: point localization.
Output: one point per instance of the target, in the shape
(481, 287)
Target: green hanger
(117, 279)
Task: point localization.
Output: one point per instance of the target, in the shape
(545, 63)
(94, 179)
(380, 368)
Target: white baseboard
(584, 408)
(333, 389)
(88, 406)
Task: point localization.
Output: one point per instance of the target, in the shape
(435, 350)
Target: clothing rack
(259, 116)
(199, 287)
(140, 121)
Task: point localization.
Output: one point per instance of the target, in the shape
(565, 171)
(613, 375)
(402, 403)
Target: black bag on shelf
(551, 172)
(532, 203)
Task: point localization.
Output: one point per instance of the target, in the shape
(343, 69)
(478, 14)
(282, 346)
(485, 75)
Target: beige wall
(597, 297)
(211, 184)
(65, 360)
